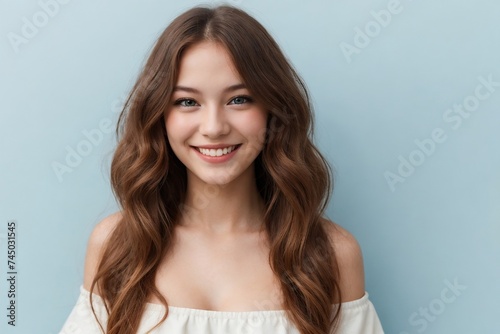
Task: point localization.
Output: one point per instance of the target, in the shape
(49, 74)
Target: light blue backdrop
(407, 102)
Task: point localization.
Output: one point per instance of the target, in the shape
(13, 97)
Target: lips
(216, 150)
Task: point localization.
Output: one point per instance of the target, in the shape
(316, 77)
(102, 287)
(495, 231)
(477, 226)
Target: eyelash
(246, 97)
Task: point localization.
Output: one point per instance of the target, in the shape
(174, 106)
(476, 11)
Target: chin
(217, 181)
(221, 177)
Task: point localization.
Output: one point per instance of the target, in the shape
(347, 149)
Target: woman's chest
(220, 275)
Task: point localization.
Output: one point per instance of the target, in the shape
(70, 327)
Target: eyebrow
(196, 91)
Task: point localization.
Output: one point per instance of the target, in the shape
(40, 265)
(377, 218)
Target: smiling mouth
(217, 152)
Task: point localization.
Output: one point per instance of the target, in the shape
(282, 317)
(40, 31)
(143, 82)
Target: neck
(235, 207)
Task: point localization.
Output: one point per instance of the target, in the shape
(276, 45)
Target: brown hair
(292, 177)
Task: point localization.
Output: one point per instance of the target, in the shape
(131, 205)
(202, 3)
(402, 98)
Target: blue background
(442, 224)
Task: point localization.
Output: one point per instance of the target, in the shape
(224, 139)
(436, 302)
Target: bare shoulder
(95, 244)
(350, 261)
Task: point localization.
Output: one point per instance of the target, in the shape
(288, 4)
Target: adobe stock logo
(31, 27)
(74, 156)
(426, 147)
(372, 29)
(92, 139)
(421, 319)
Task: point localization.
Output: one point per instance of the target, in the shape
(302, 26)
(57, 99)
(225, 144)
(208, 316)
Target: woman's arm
(95, 245)
(350, 262)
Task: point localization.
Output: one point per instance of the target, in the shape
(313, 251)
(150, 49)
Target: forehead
(207, 60)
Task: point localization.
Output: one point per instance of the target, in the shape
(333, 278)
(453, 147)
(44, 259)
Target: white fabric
(357, 317)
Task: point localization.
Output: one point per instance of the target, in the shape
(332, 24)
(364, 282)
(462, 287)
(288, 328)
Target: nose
(214, 123)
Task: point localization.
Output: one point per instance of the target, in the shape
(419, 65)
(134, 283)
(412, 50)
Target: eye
(185, 102)
(241, 99)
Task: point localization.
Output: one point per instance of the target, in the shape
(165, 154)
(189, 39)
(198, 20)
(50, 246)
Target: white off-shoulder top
(357, 317)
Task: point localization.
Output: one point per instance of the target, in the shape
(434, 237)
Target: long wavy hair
(149, 181)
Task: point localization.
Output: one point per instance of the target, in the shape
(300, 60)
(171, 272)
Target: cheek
(255, 126)
(178, 128)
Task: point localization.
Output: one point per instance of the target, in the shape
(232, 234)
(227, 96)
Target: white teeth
(216, 153)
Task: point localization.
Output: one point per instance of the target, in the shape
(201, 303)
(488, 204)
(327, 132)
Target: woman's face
(214, 126)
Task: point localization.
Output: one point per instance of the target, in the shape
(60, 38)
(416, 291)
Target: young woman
(222, 195)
